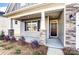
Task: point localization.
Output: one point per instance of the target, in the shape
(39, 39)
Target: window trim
(16, 22)
(25, 26)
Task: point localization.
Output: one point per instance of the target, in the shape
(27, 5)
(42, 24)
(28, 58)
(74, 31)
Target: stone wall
(71, 25)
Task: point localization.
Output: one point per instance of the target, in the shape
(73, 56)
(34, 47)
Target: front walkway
(54, 51)
(54, 47)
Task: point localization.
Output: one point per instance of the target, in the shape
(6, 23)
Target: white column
(11, 23)
(11, 30)
(47, 26)
(43, 28)
(42, 21)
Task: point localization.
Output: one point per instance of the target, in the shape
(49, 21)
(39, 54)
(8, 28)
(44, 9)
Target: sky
(3, 6)
(4, 3)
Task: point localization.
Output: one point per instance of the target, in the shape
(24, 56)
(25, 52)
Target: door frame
(53, 21)
(77, 30)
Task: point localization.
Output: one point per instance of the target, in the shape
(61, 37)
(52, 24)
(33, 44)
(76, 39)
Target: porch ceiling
(54, 14)
(34, 9)
(51, 14)
(37, 15)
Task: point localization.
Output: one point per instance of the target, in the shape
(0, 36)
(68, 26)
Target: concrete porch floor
(54, 43)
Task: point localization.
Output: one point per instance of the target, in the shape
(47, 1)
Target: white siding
(61, 28)
(16, 28)
(77, 30)
(4, 24)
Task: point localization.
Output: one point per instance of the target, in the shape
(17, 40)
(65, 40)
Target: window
(32, 26)
(28, 26)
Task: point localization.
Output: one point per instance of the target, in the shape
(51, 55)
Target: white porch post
(11, 30)
(11, 24)
(43, 28)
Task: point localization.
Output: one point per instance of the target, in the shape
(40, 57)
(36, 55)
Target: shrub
(17, 51)
(22, 41)
(22, 38)
(2, 35)
(70, 51)
(34, 44)
(37, 53)
(6, 38)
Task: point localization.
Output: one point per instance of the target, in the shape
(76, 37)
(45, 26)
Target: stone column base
(11, 32)
(43, 37)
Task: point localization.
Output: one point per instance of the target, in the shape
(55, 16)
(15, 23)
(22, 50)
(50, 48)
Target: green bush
(18, 51)
(1, 38)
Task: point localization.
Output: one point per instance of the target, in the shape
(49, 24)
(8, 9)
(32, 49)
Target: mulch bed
(8, 48)
(70, 51)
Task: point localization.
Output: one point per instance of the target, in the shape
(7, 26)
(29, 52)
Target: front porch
(50, 29)
(43, 25)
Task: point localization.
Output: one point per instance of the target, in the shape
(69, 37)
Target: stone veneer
(71, 26)
(43, 37)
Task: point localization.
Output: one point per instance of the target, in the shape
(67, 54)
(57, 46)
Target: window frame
(16, 22)
(31, 21)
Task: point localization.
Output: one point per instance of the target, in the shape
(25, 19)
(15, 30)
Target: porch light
(72, 17)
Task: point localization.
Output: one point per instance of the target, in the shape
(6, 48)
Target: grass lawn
(9, 48)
